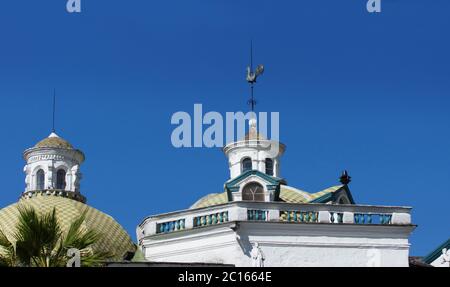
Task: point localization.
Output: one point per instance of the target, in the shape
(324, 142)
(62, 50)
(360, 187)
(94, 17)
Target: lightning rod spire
(54, 111)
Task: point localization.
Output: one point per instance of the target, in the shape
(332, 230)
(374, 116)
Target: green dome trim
(211, 200)
(287, 194)
(114, 238)
(138, 256)
(294, 195)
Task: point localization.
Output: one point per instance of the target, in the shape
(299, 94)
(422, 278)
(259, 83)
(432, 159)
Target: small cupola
(53, 167)
(254, 152)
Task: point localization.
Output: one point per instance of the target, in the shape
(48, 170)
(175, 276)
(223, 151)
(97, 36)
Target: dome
(287, 194)
(54, 141)
(211, 200)
(114, 238)
(254, 135)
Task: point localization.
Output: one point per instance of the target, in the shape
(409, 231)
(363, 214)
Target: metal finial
(54, 110)
(345, 178)
(252, 77)
(251, 55)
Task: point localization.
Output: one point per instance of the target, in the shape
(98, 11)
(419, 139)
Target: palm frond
(97, 259)
(7, 251)
(4, 241)
(37, 237)
(74, 233)
(83, 240)
(40, 242)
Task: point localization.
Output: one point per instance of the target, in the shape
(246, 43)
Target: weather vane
(252, 77)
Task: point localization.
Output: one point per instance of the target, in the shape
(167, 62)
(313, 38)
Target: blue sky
(357, 91)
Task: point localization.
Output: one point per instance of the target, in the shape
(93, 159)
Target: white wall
(50, 161)
(293, 245)
(256, 150)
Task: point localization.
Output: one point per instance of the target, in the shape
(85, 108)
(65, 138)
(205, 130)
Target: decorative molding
(53, 192)
(43, 157)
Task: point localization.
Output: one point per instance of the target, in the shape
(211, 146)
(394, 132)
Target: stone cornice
(52, 192)
(75, 154)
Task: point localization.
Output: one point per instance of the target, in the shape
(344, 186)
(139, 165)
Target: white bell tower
(53, 167)
(254, 152)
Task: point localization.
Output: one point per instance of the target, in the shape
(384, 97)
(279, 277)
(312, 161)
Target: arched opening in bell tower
(61, 179)
(247, 164)
(40, 180)
(269, 166)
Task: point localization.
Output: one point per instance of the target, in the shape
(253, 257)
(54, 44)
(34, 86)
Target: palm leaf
(40, 242)
(37, 237)
(7, 251)
(76, 238)
(83, 240)
(97, 259)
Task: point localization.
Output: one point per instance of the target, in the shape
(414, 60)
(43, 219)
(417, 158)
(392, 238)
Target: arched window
(247, 164)
(269, 166)
(253, 192)
(40, 180)
(61, 179)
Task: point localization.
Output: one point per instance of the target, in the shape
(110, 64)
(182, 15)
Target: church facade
(259, 220)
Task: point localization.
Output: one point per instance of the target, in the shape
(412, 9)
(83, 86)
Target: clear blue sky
(367, 93)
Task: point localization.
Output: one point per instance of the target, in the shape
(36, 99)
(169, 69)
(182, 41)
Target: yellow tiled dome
(254, 135)
(54, 141)
(114, 238)
(287, 194)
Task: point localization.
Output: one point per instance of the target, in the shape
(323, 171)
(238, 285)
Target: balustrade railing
(336, 217)
(276, 212)
(171, 226)
(299, 216)
(211, 219)
(257, 215)
(371, 218)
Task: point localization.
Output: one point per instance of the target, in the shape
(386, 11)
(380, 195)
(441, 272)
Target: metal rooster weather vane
(252, 76)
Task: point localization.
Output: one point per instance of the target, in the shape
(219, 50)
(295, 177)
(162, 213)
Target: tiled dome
(114, 238)
(287, 194)
(54, 141)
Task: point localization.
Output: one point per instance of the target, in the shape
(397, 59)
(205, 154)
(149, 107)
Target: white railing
(274, 212)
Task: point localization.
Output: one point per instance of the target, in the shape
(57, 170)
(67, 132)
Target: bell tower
(53, 167)
(254, 152)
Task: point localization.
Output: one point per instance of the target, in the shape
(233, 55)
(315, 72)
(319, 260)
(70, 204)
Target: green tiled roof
(323, 193)
(114, 238)
(287, 194)
(138, 256)
(211, 199)
(293, 195)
